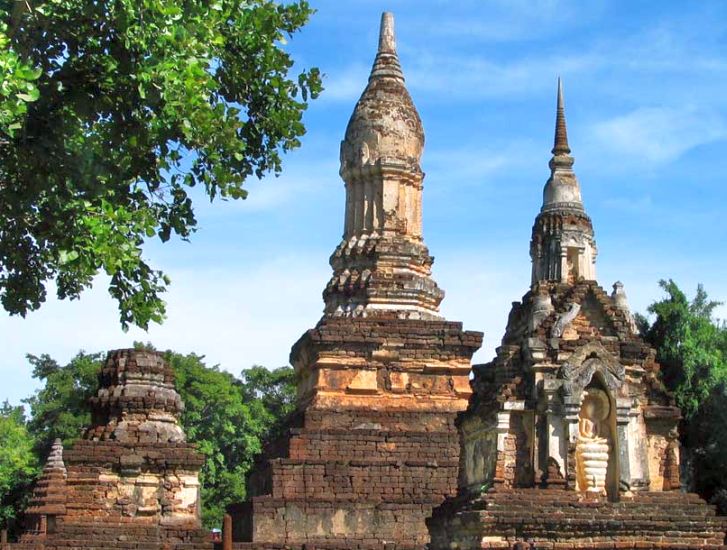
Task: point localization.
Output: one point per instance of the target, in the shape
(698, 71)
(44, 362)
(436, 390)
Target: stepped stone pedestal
(132, 481)
(551, 518)
(374, 447)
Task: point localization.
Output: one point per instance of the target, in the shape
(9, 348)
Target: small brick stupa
(570, 439)
(132, 481)
(373, 448)
(49, 497)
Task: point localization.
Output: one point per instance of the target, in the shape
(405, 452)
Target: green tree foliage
(18, 463)
(692, 350)
(111, 111)
(228, 420)
(271, 393)
(60, 407)
(691, 345)
(225, 417)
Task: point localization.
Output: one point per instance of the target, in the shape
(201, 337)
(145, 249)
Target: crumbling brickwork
(363, 464)
(132, 481)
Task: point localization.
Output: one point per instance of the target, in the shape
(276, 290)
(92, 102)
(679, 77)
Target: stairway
(554, 519)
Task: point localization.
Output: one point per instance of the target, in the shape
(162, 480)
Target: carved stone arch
(578, 371)
(593, 368)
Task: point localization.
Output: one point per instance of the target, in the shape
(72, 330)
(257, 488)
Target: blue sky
(646, 102)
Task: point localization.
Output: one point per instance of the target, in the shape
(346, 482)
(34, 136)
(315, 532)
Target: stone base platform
(350, 479)
(328, 545)
(335, 523)
(107, 535)
(555, 518)
(373, 448)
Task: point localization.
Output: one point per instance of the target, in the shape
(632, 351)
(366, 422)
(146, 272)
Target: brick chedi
(48, 500)
(570, 439)
(372, 448)
(131, 481)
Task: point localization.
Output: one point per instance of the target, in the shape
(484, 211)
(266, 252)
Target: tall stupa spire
(562, 189)
(560, 145)
(562, 248)
(382, 268)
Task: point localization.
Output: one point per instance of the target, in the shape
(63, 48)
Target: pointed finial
(386, 63)
(387, 40)
(560, 145)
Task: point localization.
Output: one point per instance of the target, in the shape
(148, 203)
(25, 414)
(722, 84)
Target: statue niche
(591, 379)
(593, 448)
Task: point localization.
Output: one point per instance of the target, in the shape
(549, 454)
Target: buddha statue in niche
(592, 445)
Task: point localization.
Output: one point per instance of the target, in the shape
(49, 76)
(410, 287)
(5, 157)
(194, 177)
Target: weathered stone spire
(562, 190)
(562, 248)
(382, 267)
(622, 302)
(55, 458)
(560, 145)
(386, 63)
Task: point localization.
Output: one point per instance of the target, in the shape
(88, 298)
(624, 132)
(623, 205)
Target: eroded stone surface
(382, 268)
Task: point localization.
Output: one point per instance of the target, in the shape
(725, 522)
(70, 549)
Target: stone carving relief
(579, 370)
(542, 308)
(564, 320)
(592, 446)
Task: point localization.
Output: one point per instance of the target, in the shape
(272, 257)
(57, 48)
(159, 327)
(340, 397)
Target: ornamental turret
(382, 267)
(563, 248)
(48, 500)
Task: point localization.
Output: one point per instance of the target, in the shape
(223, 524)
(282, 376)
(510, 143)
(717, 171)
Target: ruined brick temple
(373, 448)
(567, 439)
(131, 482)
(570, 439)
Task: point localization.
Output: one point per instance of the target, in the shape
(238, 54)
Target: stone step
(327, 544)
(559, 519)
(347, 523)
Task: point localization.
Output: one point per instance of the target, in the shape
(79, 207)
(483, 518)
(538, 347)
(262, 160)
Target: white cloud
(476, 77)
(659, 134)
(480, 286)
(346, 84)
(301, 178)
(236, 317)
(475, 163)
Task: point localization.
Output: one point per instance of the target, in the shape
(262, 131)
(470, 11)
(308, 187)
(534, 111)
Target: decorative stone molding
(565, 319)
(588, 360)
